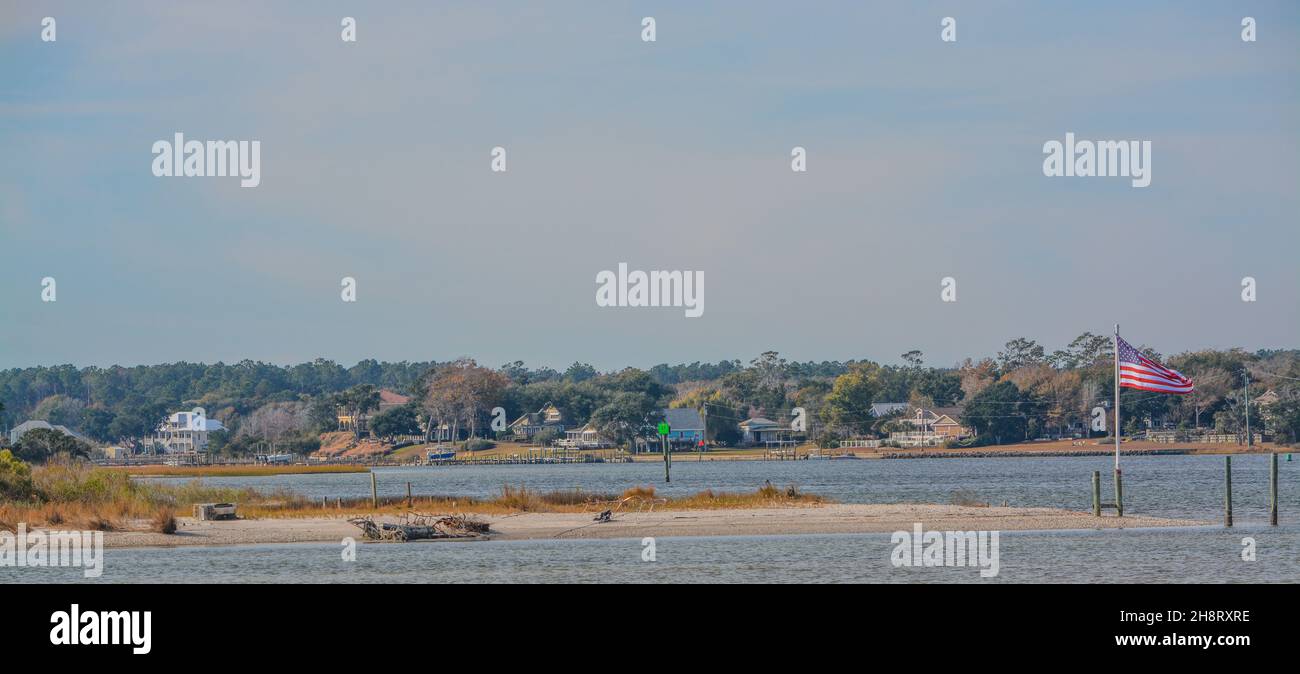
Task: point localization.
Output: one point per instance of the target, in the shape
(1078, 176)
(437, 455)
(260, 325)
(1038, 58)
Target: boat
(440, 454)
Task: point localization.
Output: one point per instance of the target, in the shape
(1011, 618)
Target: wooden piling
(1227, 491)
(1272, 489)
(374, 491)
(667, 462)
(1096, 493)
(408, 494)
(1119, 493)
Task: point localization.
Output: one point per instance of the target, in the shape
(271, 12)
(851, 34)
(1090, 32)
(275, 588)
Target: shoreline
(773, 521)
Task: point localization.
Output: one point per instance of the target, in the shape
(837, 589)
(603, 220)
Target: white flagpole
(1117, 426)
(1119, 484)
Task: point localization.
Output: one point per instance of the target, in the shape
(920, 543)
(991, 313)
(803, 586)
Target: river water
(1173, 486)
(1196, 555)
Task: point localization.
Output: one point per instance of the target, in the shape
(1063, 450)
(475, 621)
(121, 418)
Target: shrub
(646, 492)
(15, 478)
(478, 444)
(164, 521)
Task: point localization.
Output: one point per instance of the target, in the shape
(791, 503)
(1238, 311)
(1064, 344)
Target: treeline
(1022, 392)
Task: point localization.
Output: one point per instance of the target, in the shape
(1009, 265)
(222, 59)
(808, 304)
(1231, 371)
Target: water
(1172, 486)
(1197, 555)
(1168, 486)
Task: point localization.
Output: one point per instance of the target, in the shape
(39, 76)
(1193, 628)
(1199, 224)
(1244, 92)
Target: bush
(164, 521)
(546, 436)
(15, 478)
(477, 444)
(829, 440)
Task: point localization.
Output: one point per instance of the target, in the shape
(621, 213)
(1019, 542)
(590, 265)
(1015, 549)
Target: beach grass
(521, 499)
(81, 495)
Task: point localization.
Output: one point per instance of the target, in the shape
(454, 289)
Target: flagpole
(1117, 426)
(1119, 479)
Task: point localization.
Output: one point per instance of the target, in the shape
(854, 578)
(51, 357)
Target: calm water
(1211, 555)
(1176, 486)
(1173, 486)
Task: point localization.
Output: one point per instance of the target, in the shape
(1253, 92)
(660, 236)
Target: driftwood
(420, 527)
(627, 503)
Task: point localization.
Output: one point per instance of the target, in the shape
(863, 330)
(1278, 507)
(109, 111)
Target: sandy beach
(824, 519)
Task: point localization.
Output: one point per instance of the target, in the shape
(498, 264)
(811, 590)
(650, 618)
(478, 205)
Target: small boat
(440, 454)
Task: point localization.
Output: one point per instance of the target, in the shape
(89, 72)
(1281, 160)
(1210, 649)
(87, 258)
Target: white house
(185, 432)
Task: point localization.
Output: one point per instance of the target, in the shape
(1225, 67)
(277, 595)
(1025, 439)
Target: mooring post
(1096, 493)
(374, 491)
(1272, 489)
(1227, 491)
(408, 494)
(1119, 493)
(668, 462)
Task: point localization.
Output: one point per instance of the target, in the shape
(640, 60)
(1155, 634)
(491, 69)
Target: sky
(924, 161)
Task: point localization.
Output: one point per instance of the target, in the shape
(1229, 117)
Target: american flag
(1138, 371)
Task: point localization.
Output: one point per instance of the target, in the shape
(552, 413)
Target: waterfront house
(940, 421)
(764, 431)
(686, 426)
(586, 437)
(184, 432)
(526, 427)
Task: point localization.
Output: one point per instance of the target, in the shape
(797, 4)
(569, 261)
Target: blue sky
(924, 162)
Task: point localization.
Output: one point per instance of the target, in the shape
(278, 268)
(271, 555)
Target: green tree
(399, 420)
(849, 402)
(42, 444)
(580, 372)
(1002, 413)
(15, 478)
(1283, 416)
(323, 414)
(1020, 352)
(95, 422)
(357, 402)
(626, 417)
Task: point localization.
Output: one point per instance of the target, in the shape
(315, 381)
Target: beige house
(529, 425)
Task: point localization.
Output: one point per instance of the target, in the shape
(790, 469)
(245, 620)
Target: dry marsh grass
(521, 499)
(84, 496)
(80, 495)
